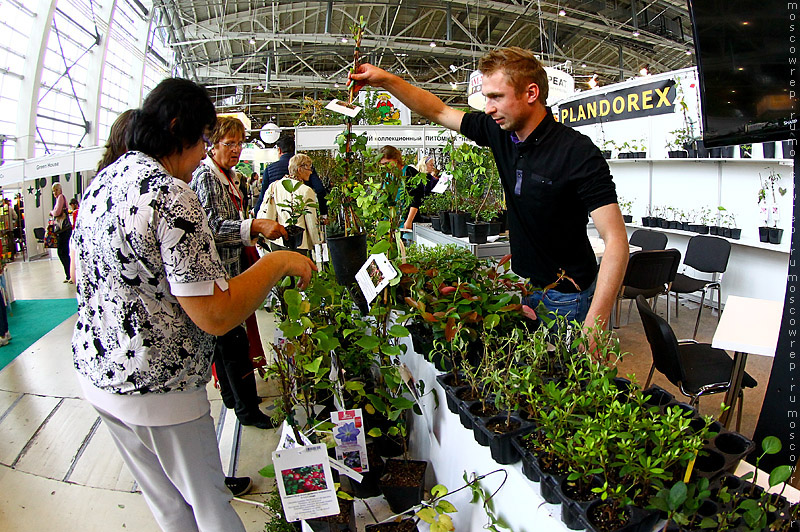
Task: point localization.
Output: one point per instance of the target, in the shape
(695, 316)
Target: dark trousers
(3, 317)
(237, 381)
(63, 250)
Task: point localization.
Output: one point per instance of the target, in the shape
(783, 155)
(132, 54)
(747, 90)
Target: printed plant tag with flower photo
(350, 436)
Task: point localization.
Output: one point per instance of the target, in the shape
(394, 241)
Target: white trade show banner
(324, 137)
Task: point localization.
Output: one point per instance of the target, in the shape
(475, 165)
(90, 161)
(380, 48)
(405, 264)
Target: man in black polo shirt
(553, 177)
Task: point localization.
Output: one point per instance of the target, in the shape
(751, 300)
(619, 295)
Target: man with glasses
(216, 183)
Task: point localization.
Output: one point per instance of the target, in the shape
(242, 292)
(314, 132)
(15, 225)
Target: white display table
(425, 235)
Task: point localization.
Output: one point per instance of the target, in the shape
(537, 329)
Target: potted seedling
(295, 208)
(633, 149)
(625, 207)
(676, 144)
(769, 211)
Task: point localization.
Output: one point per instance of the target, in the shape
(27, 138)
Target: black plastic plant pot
(702, 229)
(709, 463)
(769, 150)
(528, 457)
(763, 234)
(646, 221)
(736, 234)
(421, 337)
(407, 525)
(549, 488)
(477, 232)
(467, 420)
(714, 230)
(452, 400)
(636, 519)
(403, 483)
(577, 496)
(678, 154)
(606, 154)
(775, 235)
(295, 237)
(494, 228)
(787, 146)
(344, 521)
(657, 396)
(444, 221)
(458, 224)
(348, 254)
(627, 218)
(436, 223)
(733, 443)
(478, 429)
(500, 443)
(746, 151)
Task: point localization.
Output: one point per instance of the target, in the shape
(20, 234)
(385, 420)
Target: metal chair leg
(739, 414)
(719, 303)
(677, 304)
(699, 312)
(630, 307)
(650, 375)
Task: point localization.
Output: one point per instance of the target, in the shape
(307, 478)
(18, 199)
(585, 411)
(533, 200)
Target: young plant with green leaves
(297, 206)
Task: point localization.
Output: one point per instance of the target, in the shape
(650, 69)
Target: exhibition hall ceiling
(263, 58)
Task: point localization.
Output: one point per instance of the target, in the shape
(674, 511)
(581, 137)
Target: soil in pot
(458, 224)
(403, 483)
(477, 232)
(407, 525)
(503, 452)
(553, 465)
(444, 221)
(348, 254)
(605, 518)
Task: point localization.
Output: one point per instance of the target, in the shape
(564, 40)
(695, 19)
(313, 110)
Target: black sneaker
(238, 485)
(259, 420)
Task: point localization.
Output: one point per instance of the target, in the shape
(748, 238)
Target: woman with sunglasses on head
(151, 293)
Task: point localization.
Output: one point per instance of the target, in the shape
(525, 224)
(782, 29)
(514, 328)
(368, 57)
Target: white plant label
(375, 275)
(305, 482)
(342, 107)
(350, 437)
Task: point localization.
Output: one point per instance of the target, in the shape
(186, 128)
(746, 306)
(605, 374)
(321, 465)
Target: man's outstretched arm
(418, 100)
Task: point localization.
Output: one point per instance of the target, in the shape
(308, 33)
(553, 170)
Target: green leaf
(344, 495)
(677, 495)
(771, 445)
(398, 331)
(391, 350)
(313, 367)
(367, 343)
(267, 471)
(380, 247)
(382, 228)
(779, 475)
(291, 329)
(428, 515)
(446, 507)
(438, 491)
(402, 403)
(491, 321)
(375, 432)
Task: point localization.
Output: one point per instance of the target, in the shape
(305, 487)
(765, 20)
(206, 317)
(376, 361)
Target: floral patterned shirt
(141, 239)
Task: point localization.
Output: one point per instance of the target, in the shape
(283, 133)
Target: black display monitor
(743, 52)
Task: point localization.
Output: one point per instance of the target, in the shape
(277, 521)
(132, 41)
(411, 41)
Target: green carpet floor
(32, 319)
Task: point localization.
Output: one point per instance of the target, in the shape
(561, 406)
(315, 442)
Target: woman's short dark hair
(115, 145)
(175, 115)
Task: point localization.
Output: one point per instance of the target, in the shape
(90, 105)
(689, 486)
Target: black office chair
(38, 233)
(697, 369)
(648, 240)
(649, 274)
(707, 254)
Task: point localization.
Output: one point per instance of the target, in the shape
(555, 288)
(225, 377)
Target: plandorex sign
(633, 102)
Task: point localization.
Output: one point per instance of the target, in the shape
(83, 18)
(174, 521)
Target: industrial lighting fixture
(583, 65)
(269, 107)
(336, 85)
(593, 81)
(562, 13)
(453, 68)
(635, 33)
(252, 40)
(260, 88)
(454, 85)
(344, 40)
(643, 71)
(688, 52)
(433, 44)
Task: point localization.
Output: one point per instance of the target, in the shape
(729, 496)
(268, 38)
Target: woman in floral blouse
(151, 293)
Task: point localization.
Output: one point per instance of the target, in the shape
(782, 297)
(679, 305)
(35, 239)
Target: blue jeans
(573, 306)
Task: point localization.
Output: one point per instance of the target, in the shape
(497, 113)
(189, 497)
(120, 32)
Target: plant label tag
(288, 439)
(443, 183)
(305, 482)
(351, 442)
(375, 275)
(342, 107)
(411, 384)
(344, 470)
